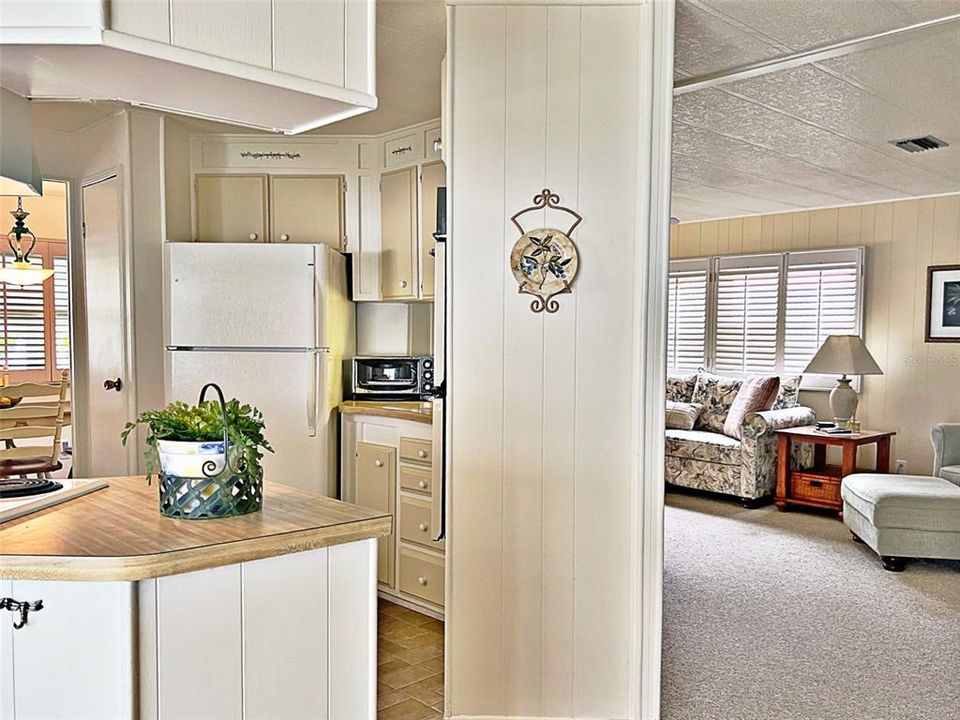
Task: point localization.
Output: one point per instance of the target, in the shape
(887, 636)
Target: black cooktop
(24, 487)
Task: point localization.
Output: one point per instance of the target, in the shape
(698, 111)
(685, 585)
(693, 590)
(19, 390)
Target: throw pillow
(681, 415)
(680, 387)
(789, 395)
(757, 394)
(716, 393)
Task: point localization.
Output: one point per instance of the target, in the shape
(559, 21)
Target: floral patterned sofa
(706, 459)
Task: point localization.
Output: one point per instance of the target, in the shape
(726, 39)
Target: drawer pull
(378, 463)
(252, 236)
(816, 483)
(423, 527)
(423, 484)
(284, 237)
(421, 453)
(22, 607)
(422, 580)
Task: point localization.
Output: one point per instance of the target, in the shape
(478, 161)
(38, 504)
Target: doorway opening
(35, 331)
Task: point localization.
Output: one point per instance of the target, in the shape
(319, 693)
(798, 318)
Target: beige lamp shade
(843, 355)
(19, 172)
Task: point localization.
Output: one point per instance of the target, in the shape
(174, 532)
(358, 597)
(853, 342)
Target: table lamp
(843, 354)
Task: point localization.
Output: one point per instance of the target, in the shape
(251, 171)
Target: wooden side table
(820, 485)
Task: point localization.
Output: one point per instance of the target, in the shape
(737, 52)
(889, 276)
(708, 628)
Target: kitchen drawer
(419, 451)
(400, 151)
(416, 479)
(815, 487)
(421, 575)
(415, 523)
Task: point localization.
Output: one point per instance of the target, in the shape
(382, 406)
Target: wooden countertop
(119, 534)
(399, 409)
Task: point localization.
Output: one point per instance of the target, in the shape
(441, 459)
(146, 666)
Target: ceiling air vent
(919, 144)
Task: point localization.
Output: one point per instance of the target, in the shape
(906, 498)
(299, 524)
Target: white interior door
(106, 329)
(288, 389)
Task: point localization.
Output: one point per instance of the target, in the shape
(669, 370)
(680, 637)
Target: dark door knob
(113, 384)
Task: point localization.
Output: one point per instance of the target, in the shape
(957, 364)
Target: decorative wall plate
(545, 261)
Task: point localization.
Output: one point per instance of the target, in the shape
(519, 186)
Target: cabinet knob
(423, 484)
(253, 236)
(378, 463)
(421, 453)
(423, 527)
(284, 237)
(422, 580)
(403, 283)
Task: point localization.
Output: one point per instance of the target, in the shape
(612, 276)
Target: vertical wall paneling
(542, 469)
(523, 389)
(476, 657)
(559, 402)
(921, 381)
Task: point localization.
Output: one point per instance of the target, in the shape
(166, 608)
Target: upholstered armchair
(946, 451)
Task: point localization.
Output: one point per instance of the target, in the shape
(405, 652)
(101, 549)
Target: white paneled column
(551, 464)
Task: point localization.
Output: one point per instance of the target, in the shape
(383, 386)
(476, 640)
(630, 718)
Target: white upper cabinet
(280, 65)
(234, 29)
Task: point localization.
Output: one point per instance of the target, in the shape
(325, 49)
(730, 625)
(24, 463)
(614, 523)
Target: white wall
(545, 420)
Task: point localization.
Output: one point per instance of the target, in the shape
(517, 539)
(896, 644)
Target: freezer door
(290, 388)
(241, 295)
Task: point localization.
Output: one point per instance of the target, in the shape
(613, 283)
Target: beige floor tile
(434, 682)
(407, 641)
(391, 697)
(408, 709)
(385, 646)
(389, 667)
(419, 654)
(397, 678)
(435, 664)
(419, 691)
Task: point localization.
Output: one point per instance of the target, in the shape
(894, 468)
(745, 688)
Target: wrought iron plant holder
(545, 261)
(236, 489)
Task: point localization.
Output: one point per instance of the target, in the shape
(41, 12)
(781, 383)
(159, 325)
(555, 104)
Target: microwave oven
(391, 378)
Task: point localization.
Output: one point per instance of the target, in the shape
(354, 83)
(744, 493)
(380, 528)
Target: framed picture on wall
(943, 303)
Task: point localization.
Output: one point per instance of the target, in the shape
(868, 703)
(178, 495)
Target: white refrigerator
(271, 325)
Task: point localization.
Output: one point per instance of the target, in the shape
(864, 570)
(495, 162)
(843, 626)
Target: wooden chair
(32, 421)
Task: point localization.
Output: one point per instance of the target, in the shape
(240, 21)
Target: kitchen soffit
(808, 134)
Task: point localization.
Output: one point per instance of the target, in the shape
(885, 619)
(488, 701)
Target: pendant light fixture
(21, 271)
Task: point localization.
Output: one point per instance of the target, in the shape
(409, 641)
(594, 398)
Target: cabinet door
(231, 208)
(398, 234)
(74, 658)
(307, 209)
(285, 632)
(432, 176)
(308, 39)
(376, 489)
(232, 29)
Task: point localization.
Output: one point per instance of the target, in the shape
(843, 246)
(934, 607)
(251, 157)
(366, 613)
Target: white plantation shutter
(822, 298)
(747, 307)
(21, 310)
(61, 304)
(687, 315)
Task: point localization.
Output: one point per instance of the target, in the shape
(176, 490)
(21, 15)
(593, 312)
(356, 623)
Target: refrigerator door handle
(312, 382)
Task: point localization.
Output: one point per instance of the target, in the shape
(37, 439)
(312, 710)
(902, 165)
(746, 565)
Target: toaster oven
(391, 378)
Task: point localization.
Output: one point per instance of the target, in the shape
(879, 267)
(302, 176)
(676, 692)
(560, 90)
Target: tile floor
(410, 655)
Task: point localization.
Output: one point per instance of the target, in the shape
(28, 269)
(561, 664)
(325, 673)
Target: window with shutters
(35, 319)
(769, 313)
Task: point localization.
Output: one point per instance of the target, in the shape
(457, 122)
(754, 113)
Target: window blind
(687, 315)
(24, 337)
(61, 305)
(822, 299)
(748, 291)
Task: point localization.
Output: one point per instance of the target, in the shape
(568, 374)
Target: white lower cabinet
(387, 466)
(287, 637)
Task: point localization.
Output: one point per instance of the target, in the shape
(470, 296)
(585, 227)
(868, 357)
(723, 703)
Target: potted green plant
(208, 455)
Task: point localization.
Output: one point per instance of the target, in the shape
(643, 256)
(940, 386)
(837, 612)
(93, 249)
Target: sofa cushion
(789, 395)
(951, 473)
(681, 415)
(912, 502)
(680, 387)
(705, 446)
(716, 393)
(755, 395)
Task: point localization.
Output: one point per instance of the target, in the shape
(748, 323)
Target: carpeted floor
(779, 616)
